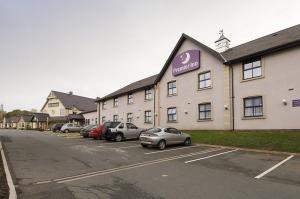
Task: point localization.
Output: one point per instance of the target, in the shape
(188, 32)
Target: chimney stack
(222, 44)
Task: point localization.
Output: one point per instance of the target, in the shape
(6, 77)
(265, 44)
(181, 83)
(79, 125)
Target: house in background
(40, 120)
(67, 107)
(11, 122)
(25, 122)
(90, 117)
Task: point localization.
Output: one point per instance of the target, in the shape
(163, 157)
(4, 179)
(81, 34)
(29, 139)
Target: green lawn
(288, 141)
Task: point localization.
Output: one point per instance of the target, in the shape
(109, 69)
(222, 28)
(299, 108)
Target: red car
(96, 133)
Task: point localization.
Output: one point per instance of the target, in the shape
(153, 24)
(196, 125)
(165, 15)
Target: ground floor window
(172, 114)
(129, 117)
(115, 118)
(148, 117)
(103, 119)
(204, 111)
(253, 106)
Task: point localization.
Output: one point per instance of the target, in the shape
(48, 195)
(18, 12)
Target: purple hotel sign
(296, 103)
(185, 62)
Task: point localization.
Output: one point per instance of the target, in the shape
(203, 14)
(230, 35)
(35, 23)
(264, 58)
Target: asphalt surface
(50, 165)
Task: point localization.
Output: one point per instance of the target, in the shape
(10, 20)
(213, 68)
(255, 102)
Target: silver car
(119, 131)
(164, 136)
(70, 127)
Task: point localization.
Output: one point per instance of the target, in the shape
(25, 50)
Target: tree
(17, 112)
(2, 115)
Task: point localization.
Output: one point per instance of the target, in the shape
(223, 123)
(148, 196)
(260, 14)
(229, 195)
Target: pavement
(51, 165)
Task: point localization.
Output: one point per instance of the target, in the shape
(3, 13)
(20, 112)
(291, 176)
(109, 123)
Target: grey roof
(75, 117)
(270, 43)
(41, 117)
(95, 110)
(58, 119)
(135, 86)
(280, 40)
(12, 119)
(81, 103)
(27, 118)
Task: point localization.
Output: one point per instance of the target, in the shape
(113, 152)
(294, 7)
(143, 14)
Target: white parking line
(211, 156)
(171, 149)
(113, 143)
(274, 167)
(124, 147)
(122, 168)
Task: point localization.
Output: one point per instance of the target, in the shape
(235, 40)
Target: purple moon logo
(185, 62)
(186, 59)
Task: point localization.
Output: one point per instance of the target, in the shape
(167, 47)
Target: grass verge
(286, 141)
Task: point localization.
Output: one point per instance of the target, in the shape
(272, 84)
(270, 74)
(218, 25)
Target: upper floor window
(204, 111)
(148, 117)
(129, 117)
(130, 98)
(204, 80)
(116, 102)
(115, 118)
(148, 94)
(55, 104)
(253, 106)
(103, 119)
(103, 104)
(252, 69)
(172, 114)
(172, 90)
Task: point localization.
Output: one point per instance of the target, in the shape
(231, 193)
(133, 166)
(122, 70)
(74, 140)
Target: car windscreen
(154, 130)
(111, 124)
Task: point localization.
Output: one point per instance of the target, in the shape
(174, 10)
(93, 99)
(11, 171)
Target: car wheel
(66, 131)
(144, 145)
(187, 142)
(162, 145)
(119, 137)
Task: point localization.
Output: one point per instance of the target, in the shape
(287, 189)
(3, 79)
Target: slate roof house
(67, 107)
(254, 85)
(11, 122)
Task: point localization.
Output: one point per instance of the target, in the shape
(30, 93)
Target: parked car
(96, 133)
(119, 131)
(56, 127)
(164, 136)
(70, 127)
(85, 130)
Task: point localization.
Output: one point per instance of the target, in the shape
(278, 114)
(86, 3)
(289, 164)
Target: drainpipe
(154, 118)
(232, 98)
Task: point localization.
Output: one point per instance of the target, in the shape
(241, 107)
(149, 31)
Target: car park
(71, 127)
(86, 130)
(164, 136)
(96, 133)
(119, 131)
(56, 127)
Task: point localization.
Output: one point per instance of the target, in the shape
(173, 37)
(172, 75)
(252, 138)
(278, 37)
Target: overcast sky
(95, 47)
